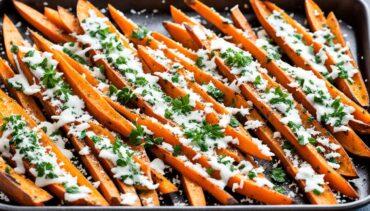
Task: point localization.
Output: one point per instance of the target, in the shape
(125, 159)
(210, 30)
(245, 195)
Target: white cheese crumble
(313, 181)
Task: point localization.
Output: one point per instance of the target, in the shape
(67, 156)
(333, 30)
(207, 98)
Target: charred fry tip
(32, 32)
(188, 28)
(190, 1)
(232, 201)
(192, 33)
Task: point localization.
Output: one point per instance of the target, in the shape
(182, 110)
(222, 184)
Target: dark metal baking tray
(354, 16)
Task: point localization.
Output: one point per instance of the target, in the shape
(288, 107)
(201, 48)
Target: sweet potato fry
(316, 20)
(9, 106)
(165, 185)
(360, 93)
(307, 152)
(94, 102)
(203, 8)
(54, 17)
(219, 194)
(279, 199)
(107, 164)
(174, 45)
(249, 189)
(315, 16)
(272, 67)
(262, 11)
(180, 17)
(175, 31)
(106, 185)
(147, 197)
(20, 189)
(241, 22)
(11, 37)
(193, 192)
(83, 8)
(150, 196)
(334, 26)
(355, 90)
(91, 163)
(354, 144)
(128, 27)
(41, 22)
(26, 101)
(69, 21)
(123, 22)
(245, 140)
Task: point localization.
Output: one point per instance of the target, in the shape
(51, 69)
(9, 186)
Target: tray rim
(346, 206)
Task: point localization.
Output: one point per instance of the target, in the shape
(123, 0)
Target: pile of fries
(205, 106)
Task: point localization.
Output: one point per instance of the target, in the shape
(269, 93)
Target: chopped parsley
(338, 114)
(279, 189)
(199, 62)
(278, 175)
(333, 160)
(257, 81)
(168, 114)
(27, 142)
(316, 192)
(140, 33)
(137, 135)
(342, 71)
(49, 79)
(124, 95)
(177, 150)
(82, 135)
(7, 169)
(281, 97)
(252, 175)
(205, 130)
(14, 49)
(182, 105)
(140, 81)
(45, 169)
(210, 171)
(72, 189)
(236, 58)
(215, 93)
(271, 53)
(175, 78)
(74, 56)
(288, 146)
(234, 122)
(150, 142)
